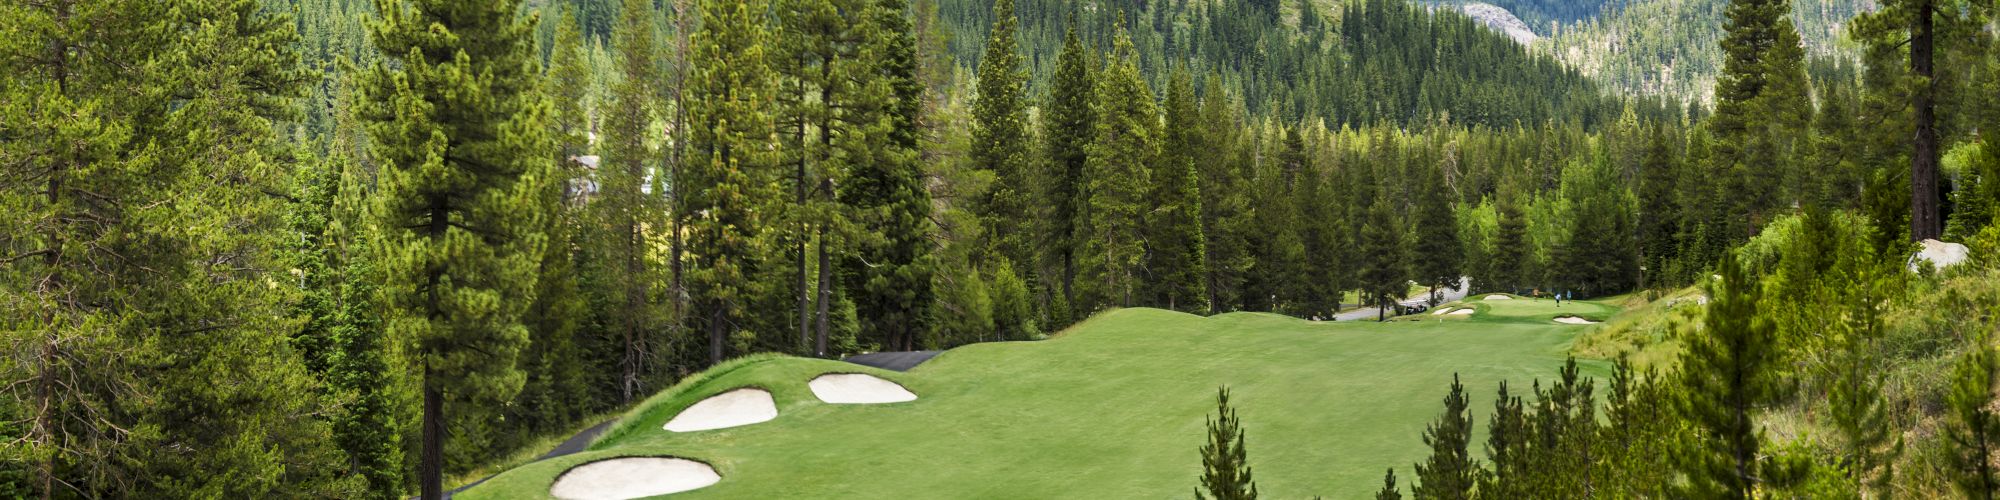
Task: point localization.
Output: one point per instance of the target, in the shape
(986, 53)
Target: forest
(355, 248)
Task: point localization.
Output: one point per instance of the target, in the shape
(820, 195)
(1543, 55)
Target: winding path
(893, 361)
(1464, 285)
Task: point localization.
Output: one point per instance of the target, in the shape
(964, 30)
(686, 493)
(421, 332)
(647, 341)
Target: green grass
(1113, 408)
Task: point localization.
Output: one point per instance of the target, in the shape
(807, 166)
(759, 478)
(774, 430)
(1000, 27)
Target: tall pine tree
(1175, 251)
(458, 130)
(1119, 176)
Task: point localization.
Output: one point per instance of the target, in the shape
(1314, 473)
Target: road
(1464, 284)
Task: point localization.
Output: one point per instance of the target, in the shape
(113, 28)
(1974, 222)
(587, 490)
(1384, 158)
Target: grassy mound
(1113, 408)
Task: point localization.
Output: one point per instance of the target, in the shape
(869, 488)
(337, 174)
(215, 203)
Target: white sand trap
(635, 477)
(1441, 311)
(1462, 312)
(855, 388)
(1573, 320)
(730, 409)
(1498, 297)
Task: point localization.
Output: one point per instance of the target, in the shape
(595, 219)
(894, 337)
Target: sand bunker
(1498, 297)
(730, 409)
(1573, 320)
(634, 477)
(1441, 311)
(1462, 312)
(855, 388)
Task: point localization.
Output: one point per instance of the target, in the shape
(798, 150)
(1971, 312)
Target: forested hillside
(347, 248)
(1352, 63)
(1672, 47)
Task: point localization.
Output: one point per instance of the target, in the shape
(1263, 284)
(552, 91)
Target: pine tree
(1510, 244)
(377, 405)
(1126, 143)
(1388, 491)
(1069, 123)
(1225, 466)
(140, 235)
(1858, 413)
(1225, 201)
(1381, 250)
(1000, 137)
(567, 83)
(1754, 60)
(1917, 25)
(1013, 311)
(728, 174)
(1973, 429)
(555, 391)
(458, 130)
(1658, 207)
(1507, 441)
(1275, 244)
(1449, 473)
(1729, 372)
(1437, 252)
(1174, 236)
(889, 277)
(622, 212)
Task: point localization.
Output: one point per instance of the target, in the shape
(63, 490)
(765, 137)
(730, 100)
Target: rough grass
(1644, 331)
(1113, 408)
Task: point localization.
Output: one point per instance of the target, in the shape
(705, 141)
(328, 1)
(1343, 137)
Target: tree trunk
(1924, 223)
(430, 468)
(825, 295)
(715, 330)
(635, 303)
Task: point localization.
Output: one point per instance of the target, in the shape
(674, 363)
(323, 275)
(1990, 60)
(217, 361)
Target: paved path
(572, 445)
(1464, 284)
(894, 361)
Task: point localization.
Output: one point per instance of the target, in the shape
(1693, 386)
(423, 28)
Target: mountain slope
(1356, 62)
(1671, 47)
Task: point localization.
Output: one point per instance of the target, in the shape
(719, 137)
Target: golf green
(1113, 408)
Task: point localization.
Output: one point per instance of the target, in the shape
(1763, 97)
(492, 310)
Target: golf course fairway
(1112, 408)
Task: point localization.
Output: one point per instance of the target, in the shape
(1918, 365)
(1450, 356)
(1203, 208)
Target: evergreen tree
(137, 252)
(1973, 427)
(567, 83)
(1225, 466)
(1507, 441)
(1729, 372)
(339, 305)
(1174, 235)
(1658, 207)
(1013, 315)
(1438, 254)
(1069, 122)
(1756, 61)
(1000, 136)
(1127, 142)
(1855, 398)
(1381, 250)
(889, 277)
(728, 177)
(1388, 491)
(1225, 198)
(555, 390)
(1912, 28)
(1274, 243)
(622, 212)
(1449, 473)
(458, 130)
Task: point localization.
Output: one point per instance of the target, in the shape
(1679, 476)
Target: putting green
(1113, 408)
